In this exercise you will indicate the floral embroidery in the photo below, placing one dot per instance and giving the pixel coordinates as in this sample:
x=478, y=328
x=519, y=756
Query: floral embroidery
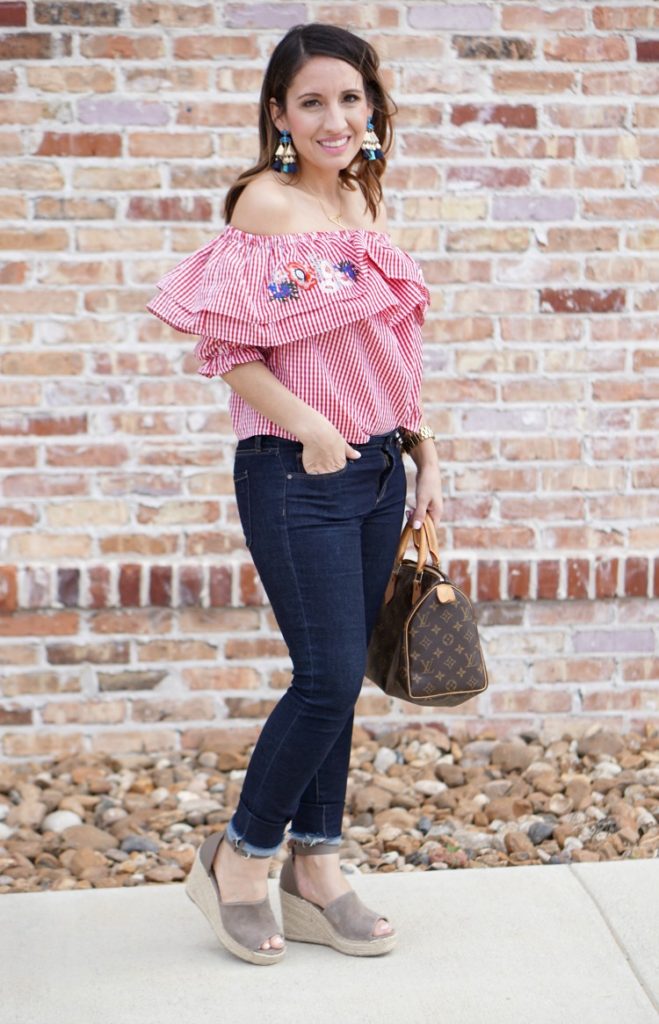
x=296, y=276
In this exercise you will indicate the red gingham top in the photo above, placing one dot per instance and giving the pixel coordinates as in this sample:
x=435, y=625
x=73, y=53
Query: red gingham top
x=334, y=315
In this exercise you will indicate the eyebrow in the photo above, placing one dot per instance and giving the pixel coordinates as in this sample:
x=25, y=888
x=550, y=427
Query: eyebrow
x=302, y=95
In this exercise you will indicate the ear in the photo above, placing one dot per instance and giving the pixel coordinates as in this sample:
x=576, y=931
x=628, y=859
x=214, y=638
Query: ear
x=278, y=119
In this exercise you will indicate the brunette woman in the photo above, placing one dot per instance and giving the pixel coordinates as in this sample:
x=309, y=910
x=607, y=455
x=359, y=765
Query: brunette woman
x=310, y=313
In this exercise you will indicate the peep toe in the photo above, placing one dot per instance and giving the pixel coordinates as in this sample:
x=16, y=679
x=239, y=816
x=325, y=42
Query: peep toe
x=241, y=926
x=345, y=923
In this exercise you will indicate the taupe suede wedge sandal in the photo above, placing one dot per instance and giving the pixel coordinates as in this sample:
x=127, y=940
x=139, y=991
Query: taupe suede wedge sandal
x=241, y=926
x=345, y=923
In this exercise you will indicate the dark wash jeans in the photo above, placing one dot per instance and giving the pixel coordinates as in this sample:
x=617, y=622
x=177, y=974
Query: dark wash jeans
x=323, y=545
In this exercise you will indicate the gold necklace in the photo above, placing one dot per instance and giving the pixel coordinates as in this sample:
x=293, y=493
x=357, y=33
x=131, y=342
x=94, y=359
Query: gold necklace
x=336, y=219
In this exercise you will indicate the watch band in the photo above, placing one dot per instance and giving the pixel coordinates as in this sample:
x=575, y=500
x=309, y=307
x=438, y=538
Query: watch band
x=411, y=438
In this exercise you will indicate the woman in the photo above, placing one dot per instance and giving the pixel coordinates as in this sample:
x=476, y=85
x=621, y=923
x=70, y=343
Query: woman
x=311, y=314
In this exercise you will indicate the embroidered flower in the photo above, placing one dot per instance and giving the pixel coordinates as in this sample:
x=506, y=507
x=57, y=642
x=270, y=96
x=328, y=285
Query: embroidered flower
x=297, y=275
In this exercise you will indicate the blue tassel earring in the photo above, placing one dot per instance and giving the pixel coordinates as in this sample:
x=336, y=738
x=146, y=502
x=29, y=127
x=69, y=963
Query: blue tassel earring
x=371, y=146
x=285, y=155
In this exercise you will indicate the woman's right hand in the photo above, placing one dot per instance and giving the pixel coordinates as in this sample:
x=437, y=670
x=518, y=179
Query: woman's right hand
x=326, y=452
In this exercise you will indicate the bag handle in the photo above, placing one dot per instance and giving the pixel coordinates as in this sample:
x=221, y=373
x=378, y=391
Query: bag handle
x=425, y=540
x=431, y=537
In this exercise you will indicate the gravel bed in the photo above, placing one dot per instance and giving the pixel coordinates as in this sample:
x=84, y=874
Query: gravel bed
x=417, y=800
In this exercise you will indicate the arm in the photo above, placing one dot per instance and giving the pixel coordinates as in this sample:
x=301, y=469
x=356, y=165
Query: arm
x=259, y=387
x=325, y=448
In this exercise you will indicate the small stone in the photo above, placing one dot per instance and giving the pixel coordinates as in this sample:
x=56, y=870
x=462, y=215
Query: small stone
x=430, y=787
x=78, y=836
x=518, y=842
x=512, y=756
x=372, y=798
x=29, y=813
x=384, y=759
x=539, y=831
x=208, y=759
x=141, y=844
x=601, y=741
x=560, y=804
x=57, y=821
x=164, y=873
x=451, y=774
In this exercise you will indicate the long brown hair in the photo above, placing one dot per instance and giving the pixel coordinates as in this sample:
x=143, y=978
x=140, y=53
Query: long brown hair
x=288, y=57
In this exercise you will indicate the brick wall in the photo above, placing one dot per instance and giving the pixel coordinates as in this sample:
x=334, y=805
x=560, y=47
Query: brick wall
x=524, y=180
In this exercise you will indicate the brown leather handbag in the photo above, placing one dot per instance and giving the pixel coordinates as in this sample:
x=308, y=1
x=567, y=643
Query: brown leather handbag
x=425, y=647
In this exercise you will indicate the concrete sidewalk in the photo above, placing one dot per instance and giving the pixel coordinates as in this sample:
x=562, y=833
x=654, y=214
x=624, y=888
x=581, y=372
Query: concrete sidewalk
x=570, y=943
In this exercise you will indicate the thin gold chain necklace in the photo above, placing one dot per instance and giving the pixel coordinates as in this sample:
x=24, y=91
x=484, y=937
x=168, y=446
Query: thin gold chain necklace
x=336, y=219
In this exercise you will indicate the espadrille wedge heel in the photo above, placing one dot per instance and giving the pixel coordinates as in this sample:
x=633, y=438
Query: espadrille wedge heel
x=345, y=924
x=241, y=927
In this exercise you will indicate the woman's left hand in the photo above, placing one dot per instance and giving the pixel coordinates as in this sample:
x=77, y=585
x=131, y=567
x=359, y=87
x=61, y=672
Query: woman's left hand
x=428, y=497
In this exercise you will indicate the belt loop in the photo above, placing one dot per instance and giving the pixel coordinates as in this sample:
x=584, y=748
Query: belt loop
x=258, y=442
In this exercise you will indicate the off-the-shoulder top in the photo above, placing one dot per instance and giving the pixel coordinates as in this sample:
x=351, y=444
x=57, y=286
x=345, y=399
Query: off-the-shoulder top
x=336, y=316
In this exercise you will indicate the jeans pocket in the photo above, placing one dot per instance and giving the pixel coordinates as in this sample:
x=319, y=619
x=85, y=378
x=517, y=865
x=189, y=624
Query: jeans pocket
x=302, y=471
x=241, y=487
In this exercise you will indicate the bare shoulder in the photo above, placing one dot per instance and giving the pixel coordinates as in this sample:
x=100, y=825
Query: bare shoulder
x=263, y=207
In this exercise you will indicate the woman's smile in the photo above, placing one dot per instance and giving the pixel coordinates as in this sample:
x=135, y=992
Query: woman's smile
x=337, y=145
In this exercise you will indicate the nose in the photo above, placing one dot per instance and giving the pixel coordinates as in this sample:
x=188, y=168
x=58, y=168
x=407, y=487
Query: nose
x=335, y=120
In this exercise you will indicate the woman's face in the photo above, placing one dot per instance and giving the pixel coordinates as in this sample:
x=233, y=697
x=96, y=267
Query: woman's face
x=326, y=114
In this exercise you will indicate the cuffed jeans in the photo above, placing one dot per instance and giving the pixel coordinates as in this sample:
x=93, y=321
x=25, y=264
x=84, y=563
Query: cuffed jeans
x=323, y=545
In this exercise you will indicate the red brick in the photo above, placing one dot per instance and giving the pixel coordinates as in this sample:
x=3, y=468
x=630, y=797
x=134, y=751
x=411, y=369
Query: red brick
x=20, y=683
x=68, y=587
x=190, y=584
x=219, y=739
x=458, y=571
x=548, y=579
x=160, y=585
x=129, y=585
x=488, y=587
x=99, y=586
x=15, y=716
x=220, y=586
x=172, y=710
x=636, y=577
x=251, y=591
x=522, y=116
x=79, y=144
x=8, y=588
x=243, y=707
x=39, y=624
x=519, y=574
x=647, y=50
x=49, y=745
x=606, y=575
x=13, y=14
x=78, y=14
x=577, y=577
x=142, y=621
x=225, y=677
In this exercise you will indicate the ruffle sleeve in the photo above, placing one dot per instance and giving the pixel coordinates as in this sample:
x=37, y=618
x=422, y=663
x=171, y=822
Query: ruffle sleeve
x=243, y=293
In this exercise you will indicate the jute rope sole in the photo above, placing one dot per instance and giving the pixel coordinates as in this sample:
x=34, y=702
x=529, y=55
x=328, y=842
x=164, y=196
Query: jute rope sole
x=305, y=923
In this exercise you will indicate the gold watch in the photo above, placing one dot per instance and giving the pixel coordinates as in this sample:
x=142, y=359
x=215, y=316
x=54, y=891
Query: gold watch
x=411, y=438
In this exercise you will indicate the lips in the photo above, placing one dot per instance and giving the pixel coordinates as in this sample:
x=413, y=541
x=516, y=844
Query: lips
x=337, y=143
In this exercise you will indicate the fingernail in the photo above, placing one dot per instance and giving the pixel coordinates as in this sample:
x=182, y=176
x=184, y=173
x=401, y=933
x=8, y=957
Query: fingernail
x=417, y=524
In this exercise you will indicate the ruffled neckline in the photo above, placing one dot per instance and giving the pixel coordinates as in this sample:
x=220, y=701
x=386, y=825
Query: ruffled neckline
x=340, y=233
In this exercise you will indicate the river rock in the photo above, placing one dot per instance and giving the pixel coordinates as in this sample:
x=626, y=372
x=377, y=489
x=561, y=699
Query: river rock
x=57, y=821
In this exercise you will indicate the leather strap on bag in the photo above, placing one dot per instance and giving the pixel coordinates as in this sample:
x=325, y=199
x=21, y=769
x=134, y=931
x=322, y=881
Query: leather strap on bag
x=425, y=540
